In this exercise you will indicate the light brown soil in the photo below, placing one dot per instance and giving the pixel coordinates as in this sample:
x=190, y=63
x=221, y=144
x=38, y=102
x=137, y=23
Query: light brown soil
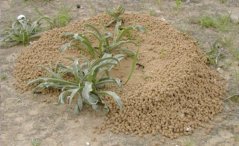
x=175, y=93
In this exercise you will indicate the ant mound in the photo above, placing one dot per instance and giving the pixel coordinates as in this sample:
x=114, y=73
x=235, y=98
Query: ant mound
x=172, y=92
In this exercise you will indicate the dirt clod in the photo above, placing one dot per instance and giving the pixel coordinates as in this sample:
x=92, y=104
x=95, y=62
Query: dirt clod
x=173, y=94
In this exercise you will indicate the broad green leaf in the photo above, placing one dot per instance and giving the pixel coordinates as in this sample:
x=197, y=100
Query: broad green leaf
x=86, y=43
x=62, y=97
x=102, y=62
x=117, y=31
x=51, y=72
x=106, y=108
x=102, y=67
x=76, y=70
x=52, y=80
x=133, y=66
x=120, y=43
x=79, y=104
x=119, y=57
x=108, y=80
x=115, y=97
x=91, y=98
x=95, y=107
x=126, y=51
x=95, y=32
x=72, y=95
x=139, y=28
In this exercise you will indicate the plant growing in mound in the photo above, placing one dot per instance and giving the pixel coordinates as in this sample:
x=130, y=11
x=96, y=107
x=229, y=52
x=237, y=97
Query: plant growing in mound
x=86, y=83
x=107, y=43
x=115, y=13
x=22, y=30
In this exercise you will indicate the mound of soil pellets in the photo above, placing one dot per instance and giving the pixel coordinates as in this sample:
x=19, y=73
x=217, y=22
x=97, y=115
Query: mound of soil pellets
x=172, y=92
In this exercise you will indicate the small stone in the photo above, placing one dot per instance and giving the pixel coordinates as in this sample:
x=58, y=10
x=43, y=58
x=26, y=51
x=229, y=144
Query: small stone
x=188, y=129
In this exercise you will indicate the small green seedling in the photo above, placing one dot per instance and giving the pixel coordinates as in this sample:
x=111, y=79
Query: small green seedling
x=215, y=54
x=158, y=2
x=207, y=22
x=3, y=77
x=235, y=52
x=223, y=1
x=235, y=98
x=36, y=142
x=116, y=13
x=152, y=13
x=229, y=45
x=236, y=137
x=87, y=83
x=221, y=47
x=22, y=30
x=178, y=3
x=62, y=18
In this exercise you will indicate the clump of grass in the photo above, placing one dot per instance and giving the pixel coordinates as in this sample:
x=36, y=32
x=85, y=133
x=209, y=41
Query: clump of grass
x=152, y=13
x=207, y=21
x=36, y=142
x=22, y=30
x=3, y=76
x=158, y=2
x=215, y=54
x=220, y=22
x=62, y=18
x=87, y=83
x=235, y=52
x=234, y=98
x=223, y=46
x=223, y=1
x=235, y=87
x=228, y=43
x=236, y=137
x=178, y=4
